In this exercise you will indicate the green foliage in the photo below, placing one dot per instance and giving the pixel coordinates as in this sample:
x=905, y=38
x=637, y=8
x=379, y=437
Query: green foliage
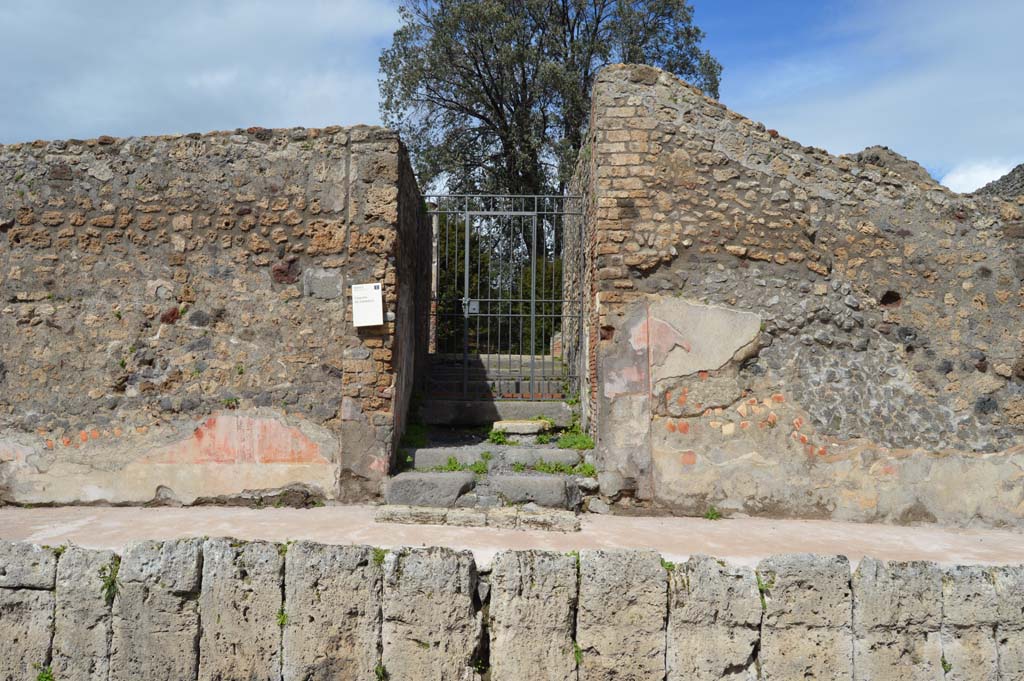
x=415, y=435
x=668, y=565
x=231, y=402
x=499, y=437
x=544, y=438
x=549, y=422
x=282, y=549
x=762, y=589
x=108, y=576
x=503, y=88
x=380, y=673
x=712, y=514
x=946, y=666
x=282, y=617
x=519, y=467
x=575, y=440
x=45, y=673
x=577, y=653
x=378, y=556
x=585, y=470
x=239, y=369
x=452, y=465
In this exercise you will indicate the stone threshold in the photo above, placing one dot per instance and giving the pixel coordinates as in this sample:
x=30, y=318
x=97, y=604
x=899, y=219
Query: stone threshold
x=527, y=517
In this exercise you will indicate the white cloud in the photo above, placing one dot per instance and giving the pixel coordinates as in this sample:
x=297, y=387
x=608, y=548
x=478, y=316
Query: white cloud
x=936, y=80
x=967, y=177
x=123, y=67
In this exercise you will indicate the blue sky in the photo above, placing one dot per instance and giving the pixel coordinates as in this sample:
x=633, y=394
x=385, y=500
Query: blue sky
x=939, y=81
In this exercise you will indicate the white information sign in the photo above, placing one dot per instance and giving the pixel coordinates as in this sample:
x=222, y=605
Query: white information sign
x=367, y=305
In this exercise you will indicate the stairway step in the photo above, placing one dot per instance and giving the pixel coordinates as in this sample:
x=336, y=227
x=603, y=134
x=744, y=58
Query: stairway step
x=521, y=426
x=502, y=457
x=460, y=412
x=428, y=489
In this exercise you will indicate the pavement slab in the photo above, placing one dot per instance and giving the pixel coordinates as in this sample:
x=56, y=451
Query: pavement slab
x=742, y=541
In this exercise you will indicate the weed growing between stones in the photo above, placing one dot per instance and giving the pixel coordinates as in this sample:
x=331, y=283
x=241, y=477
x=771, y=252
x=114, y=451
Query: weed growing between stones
x=45, y=673
x=282, y=549
x=380, y=673
x=668, y=565
x=946, y=666
x=577, y=653
x=519, y=467
x=762, y=588
x=575, y=438
x=585, y=470
x=108, y=573
x=499, y=437
x=282, y=617
x=453, y=466
x=712, y=514
x=378, y=555
x=544, y=438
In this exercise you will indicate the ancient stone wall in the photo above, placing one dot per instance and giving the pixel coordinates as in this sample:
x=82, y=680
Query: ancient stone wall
x=218, y=608
x=781, y=331
x=177, y=322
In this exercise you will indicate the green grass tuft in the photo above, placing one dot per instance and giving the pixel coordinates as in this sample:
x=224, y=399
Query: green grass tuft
x=712, y=514
x=574, y=439
x=668, y=565
x=378, y=556
x=108, y=573
x=499, y=437
x=282, y=617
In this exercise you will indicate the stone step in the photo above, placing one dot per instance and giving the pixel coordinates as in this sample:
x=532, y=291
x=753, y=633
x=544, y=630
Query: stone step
x=521, y=426
x=497, y=457
x=462, y=489
x=457, y=412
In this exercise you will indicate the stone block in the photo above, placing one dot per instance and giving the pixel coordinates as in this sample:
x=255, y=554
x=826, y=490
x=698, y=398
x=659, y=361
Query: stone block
x=466, y=517
x=533, y=615
x=318, y=282
x=506, y=518
x=333, y=601
x=970, y=613
x=1009, y=582
x=156, y=612
x=529, y=456
x=82, y=622
x=239, y=604
x=897, y=615
x=432, y=626
x=806, y=630
x=411, y=515
x=26, y=620
x=549, y=520
x=26, y=566
x=520, y=426
x=714, y=621
x=620, y=624
x=426, y=458
x=428, y=489
x=543, y=490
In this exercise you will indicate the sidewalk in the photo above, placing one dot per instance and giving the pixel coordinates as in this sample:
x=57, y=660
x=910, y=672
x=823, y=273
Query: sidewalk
x=741, y=541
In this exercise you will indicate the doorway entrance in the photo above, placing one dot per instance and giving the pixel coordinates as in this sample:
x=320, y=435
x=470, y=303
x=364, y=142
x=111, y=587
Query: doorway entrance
x=506, y=305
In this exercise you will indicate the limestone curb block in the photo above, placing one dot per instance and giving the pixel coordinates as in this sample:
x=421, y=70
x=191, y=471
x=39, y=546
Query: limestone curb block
x=333, y=601
x=26, y=566
x=806, y=631
x=508, y=518
x=620, y=624
x=239, y=605
x=156, y=612
x=83, y=619
x=714, y=621
x=1009, y=582
x=897, y=616
x=27, y=577
x=544, y=490
x=970, y=608
x=533, y=611
x=431, y=623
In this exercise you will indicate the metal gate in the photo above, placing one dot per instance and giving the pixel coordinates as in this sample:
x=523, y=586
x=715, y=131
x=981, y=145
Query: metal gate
x=506, y=313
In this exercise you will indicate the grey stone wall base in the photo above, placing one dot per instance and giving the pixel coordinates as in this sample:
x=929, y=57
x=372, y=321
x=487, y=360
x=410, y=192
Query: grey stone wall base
x=222, y=609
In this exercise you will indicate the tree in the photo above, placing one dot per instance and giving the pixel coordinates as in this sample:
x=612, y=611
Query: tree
x=494, y=96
